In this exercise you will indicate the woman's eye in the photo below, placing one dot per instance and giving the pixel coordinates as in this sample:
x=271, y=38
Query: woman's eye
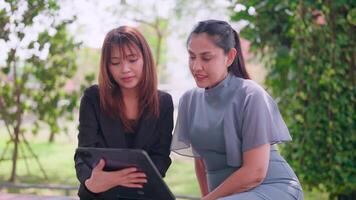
x=115, y=63
x=206, y=59
x=191, y=57
x=133, y=60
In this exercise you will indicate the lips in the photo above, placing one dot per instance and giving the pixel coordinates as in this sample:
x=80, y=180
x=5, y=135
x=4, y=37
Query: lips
x=128, y=78
x=200, y=77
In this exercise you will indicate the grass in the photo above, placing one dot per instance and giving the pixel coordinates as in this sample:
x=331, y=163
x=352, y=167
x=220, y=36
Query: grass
x=57, y=159
x=181, y=178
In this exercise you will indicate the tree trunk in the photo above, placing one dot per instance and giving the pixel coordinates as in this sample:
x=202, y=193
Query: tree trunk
x=51, y=137
x=18, y=121
x=15, y=153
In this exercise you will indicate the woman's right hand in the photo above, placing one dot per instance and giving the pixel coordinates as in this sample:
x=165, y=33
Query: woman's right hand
x=101, y=181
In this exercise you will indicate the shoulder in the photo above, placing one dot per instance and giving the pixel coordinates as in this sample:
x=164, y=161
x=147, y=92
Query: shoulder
x=254, y=95
x=90, y=101
x=92, y=91
x=248, y=88
x=164, y=97
x=191, y=94
x=91, y=94
x=165, y=100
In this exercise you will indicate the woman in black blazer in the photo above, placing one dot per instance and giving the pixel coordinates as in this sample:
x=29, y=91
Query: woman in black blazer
x=124, y=111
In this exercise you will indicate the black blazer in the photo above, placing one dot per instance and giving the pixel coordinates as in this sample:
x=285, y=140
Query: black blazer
x=96, y=129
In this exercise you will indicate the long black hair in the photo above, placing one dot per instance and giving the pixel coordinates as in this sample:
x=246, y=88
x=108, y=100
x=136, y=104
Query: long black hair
x=225, y=37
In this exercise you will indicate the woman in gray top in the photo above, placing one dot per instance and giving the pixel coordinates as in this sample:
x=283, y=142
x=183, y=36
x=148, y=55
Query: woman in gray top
x=230, y=124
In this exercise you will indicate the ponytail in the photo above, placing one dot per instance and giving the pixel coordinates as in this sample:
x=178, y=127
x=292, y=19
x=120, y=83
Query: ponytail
x=238, y=66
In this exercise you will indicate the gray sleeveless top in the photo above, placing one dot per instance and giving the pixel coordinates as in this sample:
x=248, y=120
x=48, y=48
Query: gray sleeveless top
x=243, y=111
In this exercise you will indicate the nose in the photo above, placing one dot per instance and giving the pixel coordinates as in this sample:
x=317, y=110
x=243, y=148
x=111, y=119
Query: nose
x=196, y=65
x=125, y=67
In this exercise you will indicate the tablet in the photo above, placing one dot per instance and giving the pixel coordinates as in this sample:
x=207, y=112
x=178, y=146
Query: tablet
x=116, y=159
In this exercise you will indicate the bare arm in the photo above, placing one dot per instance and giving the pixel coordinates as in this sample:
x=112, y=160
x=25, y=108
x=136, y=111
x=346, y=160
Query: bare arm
x=250, y=175
x=201, y=176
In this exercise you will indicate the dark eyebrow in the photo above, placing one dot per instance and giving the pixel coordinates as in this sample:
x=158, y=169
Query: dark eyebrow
x=202, y=54
x=132, y=55
x=127, y=56
x=206, y=53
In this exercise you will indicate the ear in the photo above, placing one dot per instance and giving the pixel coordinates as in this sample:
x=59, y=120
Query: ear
x=231, y=56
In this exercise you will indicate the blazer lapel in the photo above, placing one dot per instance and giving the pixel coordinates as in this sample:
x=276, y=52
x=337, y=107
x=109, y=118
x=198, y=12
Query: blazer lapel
x=113, y=132
x=145, y=131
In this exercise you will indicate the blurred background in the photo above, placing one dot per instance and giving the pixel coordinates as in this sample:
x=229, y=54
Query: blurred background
x=302, y=52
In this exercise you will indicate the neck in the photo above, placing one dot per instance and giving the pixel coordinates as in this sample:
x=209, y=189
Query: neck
x=219, y=81
x=130, y=98
x=129, y=94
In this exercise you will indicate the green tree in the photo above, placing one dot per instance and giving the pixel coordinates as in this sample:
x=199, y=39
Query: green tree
x=159, y=19
x=39, y=62
x=309, y=49
x=153, y=26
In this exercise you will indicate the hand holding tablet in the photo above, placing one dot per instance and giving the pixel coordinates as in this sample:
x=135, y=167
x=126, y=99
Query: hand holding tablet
x=130, y=172
x=105, y=177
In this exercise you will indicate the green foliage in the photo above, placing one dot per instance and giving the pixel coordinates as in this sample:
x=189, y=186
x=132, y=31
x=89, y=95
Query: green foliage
x=39, y=82
x=156, y=36
x=35, y=75
x=154, y=27
x=309, y=49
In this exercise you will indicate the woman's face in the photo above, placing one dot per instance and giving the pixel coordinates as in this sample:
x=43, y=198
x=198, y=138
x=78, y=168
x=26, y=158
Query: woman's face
x=207, y=62
x=126, y=69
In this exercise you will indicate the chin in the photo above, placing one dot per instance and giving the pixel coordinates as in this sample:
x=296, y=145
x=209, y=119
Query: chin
x=201, y=85
x=129, y=86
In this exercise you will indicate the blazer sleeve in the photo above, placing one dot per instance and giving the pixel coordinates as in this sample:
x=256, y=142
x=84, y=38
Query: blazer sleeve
x=160, y=150
x=87, y=137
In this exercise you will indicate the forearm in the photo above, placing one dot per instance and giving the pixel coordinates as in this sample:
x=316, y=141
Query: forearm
x=242, y=180
x=83, y=172
x=250, y=175
x=201, y=176
x=162, y=163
